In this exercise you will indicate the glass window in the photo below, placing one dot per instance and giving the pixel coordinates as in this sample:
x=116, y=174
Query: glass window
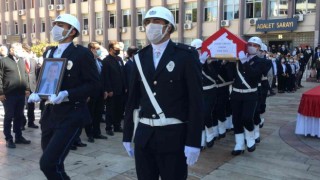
x=41, y=3
x=24, y=28
x=99, y=20
x=23, y=4
x=126, y=15
x=73, y=1
x=253, y=8
x=15, y=7
x=85, y=22
x=305, y=6
x=32, y=3
x=191, y=12
x=7, y=5
x=8, y=28
x=210, y=10
x=33, y=25
x=278, y=8
x=231, y=9
x=16, y=28
x=0, y=29
x=112, y=19
x=51, y=1
x=175, y=11
x=140, y=15
x=43, y=26
x=61, y=2
x=126, y=44
x=140, y=43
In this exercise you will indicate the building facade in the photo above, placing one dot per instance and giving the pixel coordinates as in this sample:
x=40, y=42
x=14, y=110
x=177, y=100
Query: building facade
x=30, y=21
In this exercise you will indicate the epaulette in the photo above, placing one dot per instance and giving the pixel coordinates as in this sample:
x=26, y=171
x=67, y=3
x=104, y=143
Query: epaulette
x=143, y=49
x=184, y=47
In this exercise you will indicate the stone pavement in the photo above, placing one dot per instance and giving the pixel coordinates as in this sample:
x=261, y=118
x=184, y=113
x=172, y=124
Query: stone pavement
x=280, y=155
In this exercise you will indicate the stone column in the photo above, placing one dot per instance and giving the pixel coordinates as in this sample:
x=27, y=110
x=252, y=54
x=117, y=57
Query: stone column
x=92, y=20
x=199, y=19
x=119, y=24
x=37, y=18
x=242, y=5
x=181, y=21
x=79, y=15
x=105, y=22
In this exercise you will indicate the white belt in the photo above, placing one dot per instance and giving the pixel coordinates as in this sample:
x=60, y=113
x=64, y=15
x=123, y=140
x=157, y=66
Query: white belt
x=160, y=122
x=209, y=87
x=244, y=90
x=264, y=78
x=259, y=84
x=224, y=84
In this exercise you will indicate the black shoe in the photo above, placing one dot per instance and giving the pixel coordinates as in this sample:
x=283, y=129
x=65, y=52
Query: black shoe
x=73, y=147
x=80, y=144
x=90, y=139
x=23, y=128
x=210, y=144
x=257, y=140
x=202, y=148
x=10, y=144
x=261, y=125
x=237, y=152
x=110, y=132
x=118, y=129
x=22, y=140
x=222, y=135
x=100, y=137
x=251, y=149
x=33, y=126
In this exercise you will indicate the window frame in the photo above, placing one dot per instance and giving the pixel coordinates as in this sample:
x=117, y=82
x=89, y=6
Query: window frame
x=210, y=6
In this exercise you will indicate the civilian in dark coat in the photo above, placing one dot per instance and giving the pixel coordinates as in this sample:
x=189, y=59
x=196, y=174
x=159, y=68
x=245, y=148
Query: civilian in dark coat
x=115, y=87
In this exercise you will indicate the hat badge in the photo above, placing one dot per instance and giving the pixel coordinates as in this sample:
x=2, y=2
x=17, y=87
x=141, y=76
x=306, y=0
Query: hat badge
x=152, y=12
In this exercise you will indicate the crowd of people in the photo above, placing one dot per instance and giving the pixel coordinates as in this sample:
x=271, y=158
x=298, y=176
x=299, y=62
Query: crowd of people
x=185, y=99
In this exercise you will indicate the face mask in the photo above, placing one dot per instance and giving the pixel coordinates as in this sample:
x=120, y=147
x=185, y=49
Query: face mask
x=291, y=60
x=282, y=60
x=267, y=55
x=318, y=50
x=252, y=50
x=57, y=33
x=117, y=52
x=154, y=32
x=98, y=52
x=273, y=59
x=18, y=53
x=301, y=56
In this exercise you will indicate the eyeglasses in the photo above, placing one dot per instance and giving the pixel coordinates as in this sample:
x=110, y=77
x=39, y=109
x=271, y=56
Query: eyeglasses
x=254, y=45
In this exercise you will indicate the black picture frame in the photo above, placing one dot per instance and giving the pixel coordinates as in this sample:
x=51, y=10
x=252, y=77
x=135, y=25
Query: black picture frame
x=50, y=77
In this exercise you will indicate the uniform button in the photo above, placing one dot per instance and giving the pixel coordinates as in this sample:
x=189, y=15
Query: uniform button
x=68, y=75
x=154, y=93
x=154, y=116
x=171, y=81
x=155, y=82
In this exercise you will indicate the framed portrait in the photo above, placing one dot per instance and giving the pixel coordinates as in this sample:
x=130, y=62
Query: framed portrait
x=50, y=76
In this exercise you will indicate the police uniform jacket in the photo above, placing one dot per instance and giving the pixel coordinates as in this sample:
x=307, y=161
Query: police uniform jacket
x=178, y=92
x=209, y=70
x=80, y=81
x=221, y=69
x=252, y=72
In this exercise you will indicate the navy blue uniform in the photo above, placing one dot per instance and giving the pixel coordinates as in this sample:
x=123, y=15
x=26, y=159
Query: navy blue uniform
x=159, y=150
x=61, y=123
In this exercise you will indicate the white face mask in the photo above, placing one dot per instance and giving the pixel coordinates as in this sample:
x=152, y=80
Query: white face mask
x=318, y=50
x=291, y=60
x=18, y=53
x=252, y=50
x=57, y=33
x=154, y=32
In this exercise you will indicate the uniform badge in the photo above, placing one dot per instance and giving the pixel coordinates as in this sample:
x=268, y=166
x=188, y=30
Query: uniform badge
x=170, y=66
x=252, y=62
x=69, y=65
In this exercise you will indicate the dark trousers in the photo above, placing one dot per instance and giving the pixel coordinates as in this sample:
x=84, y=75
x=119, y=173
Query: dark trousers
x=243, y=114
x=282, y=81
x=115, y=106
x=95, y=106
x=30, y=115
x=220, y=109
x=209, y=99
x=13, y=109
x=150, y=164
x=318, y=74
x=56, y=144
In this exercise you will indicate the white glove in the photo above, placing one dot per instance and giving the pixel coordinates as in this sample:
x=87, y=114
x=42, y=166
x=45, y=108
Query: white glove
x=243, y=57
x=129, y=149
x=33, y=98
x=192, y=154
x=203, y=57
x=58, y=99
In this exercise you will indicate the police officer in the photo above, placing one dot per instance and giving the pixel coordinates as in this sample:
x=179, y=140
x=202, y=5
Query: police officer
x=66, y=113
x=246, y=74
x=263, y=87
x=165, y=143
x=210, y=129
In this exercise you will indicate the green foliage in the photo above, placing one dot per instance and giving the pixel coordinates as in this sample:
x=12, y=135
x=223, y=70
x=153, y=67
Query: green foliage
x=38, y=47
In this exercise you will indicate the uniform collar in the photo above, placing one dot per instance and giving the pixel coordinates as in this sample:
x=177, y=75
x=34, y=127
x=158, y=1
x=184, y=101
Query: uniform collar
x=63, y=46
x=160, y=47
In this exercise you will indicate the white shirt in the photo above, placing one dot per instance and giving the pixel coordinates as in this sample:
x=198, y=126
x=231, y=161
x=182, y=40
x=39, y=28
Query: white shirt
x=158, y=50
x=59, y=51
